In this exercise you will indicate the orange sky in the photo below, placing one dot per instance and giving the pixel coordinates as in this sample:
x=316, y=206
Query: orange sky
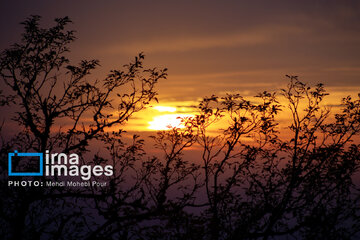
x=210, y=47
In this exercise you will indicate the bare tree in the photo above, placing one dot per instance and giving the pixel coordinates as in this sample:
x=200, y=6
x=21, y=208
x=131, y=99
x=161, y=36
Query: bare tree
x=276, y=186
x=54, y=99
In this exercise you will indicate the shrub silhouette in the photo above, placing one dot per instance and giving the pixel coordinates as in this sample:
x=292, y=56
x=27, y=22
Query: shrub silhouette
x=249, y=181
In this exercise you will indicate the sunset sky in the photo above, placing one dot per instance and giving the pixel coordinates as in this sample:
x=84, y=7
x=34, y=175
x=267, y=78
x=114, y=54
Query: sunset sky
x=210, y=47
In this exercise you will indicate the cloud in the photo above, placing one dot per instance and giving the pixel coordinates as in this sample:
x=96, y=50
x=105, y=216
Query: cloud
x=181, y=43
x=229, y=74
x=354, y=70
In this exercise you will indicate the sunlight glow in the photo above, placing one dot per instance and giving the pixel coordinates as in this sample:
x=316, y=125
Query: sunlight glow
x=165, y=122
x=165, y=109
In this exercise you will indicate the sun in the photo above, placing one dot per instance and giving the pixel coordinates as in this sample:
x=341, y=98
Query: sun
x=167, y=119
x=165, y=122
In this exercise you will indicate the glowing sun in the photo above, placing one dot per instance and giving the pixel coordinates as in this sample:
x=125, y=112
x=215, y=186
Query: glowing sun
x=166, y=121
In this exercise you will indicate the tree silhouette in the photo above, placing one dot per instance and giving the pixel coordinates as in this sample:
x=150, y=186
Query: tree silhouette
x=251, y=179
x=302, y=186
x=48, y=90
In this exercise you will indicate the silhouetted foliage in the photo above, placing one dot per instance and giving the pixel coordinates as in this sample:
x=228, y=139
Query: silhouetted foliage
x=252, y=179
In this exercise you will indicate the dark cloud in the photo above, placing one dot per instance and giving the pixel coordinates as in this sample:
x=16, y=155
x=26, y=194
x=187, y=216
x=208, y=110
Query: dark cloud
x=210, y=46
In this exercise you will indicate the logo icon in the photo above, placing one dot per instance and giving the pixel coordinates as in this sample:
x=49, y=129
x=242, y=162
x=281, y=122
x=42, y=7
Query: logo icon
x=28, y=168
